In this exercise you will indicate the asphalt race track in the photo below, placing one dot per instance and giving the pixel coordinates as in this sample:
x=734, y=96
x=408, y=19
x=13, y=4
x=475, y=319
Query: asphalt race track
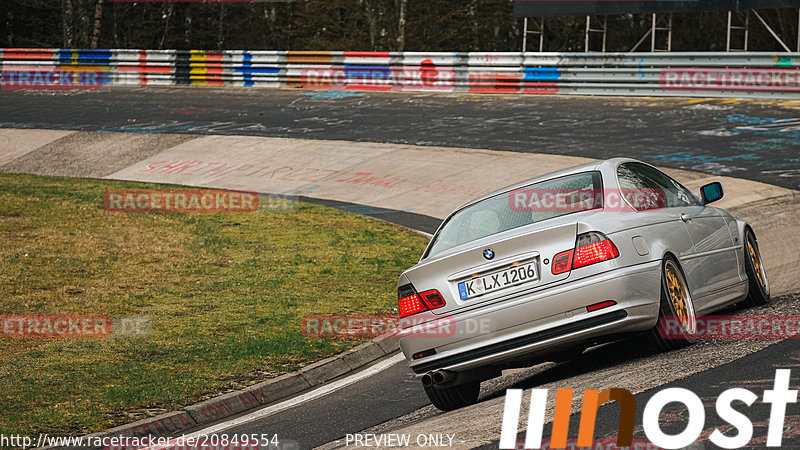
x=741, y=138
x=745, y=139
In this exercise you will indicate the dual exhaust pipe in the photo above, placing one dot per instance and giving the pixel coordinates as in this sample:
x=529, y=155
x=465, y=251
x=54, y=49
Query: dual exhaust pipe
x=438, y=377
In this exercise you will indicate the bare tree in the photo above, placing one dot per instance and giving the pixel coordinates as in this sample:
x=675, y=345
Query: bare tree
x=166, y=14
x=187, y=28
x=472, y=13
x=221, y=28
x=10, y=27
x=98, y=14
x=67, y=16
x=401, y=26
x=440, y=25
x=372, y=22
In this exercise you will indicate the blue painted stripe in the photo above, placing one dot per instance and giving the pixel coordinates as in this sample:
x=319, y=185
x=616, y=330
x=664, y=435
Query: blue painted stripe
x=248, y=69
x=97, y=56
x=541, y=74
x=354, y=71
x=245, y=69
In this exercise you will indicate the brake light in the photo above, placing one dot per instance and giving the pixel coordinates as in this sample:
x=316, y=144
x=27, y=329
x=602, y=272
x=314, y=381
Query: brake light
x=590, y=248
x=596, y=248
x=562, y=262
x=410, y=304
x=433, y=299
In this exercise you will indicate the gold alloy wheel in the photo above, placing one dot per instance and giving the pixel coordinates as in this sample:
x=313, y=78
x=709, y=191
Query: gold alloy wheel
x=755, y=258
x=679, y=296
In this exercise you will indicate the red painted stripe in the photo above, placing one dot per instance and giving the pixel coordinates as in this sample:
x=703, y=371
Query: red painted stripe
x=368, y=54
x=143, y=64
x=28, y=53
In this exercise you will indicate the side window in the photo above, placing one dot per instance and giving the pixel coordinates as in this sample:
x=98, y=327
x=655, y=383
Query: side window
x=685, y=195
x=641, y=177
x=634, y=183
x=629, y=178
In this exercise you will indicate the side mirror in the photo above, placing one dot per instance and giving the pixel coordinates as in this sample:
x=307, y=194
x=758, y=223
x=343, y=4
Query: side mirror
x=711, y=192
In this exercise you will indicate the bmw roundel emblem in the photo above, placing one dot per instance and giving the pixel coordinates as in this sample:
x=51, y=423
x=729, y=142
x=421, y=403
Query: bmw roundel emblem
x=488, y=253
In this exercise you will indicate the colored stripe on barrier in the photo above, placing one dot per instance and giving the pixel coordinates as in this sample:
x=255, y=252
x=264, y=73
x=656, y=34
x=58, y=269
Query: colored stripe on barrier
x=695, y=74
x=541, y=74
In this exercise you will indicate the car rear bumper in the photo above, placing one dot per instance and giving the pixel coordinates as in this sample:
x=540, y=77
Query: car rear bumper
x=515, y=330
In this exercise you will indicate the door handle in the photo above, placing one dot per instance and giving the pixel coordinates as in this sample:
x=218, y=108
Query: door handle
x=685, y=217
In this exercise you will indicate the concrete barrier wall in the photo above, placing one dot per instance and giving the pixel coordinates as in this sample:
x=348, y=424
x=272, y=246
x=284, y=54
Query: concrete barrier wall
x=753, y=74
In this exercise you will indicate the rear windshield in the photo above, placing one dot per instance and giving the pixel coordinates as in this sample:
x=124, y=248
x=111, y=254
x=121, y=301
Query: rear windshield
x=533, y=203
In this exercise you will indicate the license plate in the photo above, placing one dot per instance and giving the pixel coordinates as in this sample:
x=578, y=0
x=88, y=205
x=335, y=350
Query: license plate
x=495, y=281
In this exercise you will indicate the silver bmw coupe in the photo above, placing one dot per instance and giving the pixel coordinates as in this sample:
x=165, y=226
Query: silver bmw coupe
x=541, y=270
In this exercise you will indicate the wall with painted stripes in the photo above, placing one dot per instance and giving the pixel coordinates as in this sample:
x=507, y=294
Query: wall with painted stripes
x=681, y=74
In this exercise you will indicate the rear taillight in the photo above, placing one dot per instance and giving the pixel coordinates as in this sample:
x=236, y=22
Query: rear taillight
x=590, y=248
x=433, y=299
x=562, y=262
x=593, y=247
x=409, y=302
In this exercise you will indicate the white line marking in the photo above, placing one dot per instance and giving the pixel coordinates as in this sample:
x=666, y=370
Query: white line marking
x=316, y=393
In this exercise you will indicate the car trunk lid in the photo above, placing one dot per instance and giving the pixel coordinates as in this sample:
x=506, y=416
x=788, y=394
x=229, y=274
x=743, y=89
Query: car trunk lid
x=496, y=267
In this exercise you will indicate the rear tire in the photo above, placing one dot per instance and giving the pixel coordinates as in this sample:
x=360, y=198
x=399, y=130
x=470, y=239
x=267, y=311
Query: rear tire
x=758, y=285
x=454, y=397
x=676, y=319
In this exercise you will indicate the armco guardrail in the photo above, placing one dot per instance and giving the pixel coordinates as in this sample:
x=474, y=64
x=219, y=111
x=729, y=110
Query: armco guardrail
x=682, y=74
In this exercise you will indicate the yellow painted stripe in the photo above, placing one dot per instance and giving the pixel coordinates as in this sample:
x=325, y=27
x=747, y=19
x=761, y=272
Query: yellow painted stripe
x=82, y=68
x=197, y=56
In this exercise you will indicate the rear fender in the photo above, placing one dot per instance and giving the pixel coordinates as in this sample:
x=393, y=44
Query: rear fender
x=741, y=227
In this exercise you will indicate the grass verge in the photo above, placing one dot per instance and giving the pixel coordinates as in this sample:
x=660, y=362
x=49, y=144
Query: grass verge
x=224, y=293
